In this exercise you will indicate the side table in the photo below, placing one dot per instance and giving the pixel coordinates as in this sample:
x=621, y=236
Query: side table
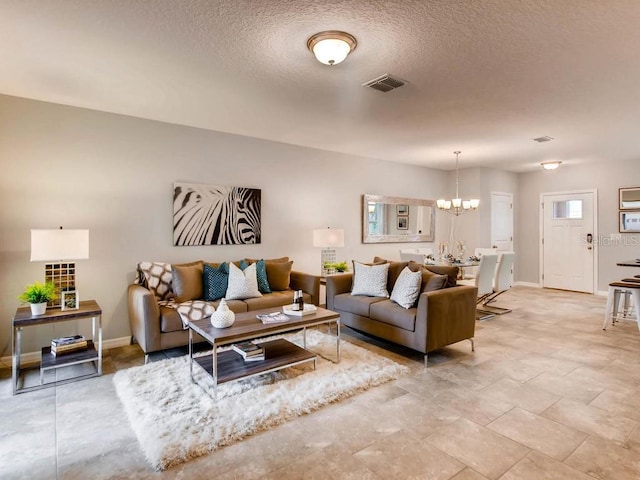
x=23, y=318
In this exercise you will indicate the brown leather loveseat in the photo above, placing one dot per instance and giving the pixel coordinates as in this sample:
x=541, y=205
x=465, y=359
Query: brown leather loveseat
x=443, y=314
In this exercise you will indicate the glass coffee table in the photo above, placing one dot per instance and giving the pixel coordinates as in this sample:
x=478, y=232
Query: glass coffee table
x=228, y=365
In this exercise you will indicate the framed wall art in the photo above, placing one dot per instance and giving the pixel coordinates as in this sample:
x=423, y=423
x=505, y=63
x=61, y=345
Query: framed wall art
x=630, y=222
x=215, y=215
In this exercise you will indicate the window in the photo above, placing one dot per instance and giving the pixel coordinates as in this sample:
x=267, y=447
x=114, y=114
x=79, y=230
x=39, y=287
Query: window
x=571, y=209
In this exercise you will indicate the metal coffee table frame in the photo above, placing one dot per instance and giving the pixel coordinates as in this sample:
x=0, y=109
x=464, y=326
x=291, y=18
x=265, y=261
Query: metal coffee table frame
x=248, y=327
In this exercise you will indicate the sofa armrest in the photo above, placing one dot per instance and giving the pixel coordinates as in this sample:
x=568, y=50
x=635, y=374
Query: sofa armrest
x=447, y=316
x=337, y=284
x=307, y=283
x=144, y=317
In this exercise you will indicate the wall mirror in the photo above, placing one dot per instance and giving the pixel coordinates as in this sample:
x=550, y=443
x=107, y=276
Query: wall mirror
x=629, y=198
x=397, y=219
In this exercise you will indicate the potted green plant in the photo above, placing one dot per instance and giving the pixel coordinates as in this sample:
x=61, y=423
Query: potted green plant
x=38, y=295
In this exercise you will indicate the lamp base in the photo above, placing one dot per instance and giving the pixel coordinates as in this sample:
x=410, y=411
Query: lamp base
x=63, y=277
x=328, y=255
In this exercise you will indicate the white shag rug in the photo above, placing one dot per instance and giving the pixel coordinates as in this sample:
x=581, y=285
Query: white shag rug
x=176, y=420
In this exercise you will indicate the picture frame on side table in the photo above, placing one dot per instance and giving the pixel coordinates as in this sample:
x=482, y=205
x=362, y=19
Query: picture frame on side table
x=69, y=300
x=630, y=222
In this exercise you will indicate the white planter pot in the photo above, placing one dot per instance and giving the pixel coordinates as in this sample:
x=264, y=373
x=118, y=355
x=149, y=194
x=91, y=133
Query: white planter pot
x=38, y=308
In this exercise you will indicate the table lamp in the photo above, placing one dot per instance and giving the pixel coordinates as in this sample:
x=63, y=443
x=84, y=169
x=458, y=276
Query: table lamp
x=328, y=240
x=56, y=248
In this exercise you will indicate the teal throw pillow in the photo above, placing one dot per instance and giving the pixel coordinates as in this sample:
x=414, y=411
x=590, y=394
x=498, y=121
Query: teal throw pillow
x=261, y=274
x=215, y=281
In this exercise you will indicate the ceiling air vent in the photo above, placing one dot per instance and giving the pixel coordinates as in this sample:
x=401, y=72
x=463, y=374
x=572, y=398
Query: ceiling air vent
x=384, y=83
x=546, y=138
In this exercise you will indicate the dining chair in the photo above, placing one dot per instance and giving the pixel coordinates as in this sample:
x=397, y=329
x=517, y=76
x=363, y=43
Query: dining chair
x=471, y=272
x=425, y=250
x=503, y=281
x=408, y=257
x=483, y=281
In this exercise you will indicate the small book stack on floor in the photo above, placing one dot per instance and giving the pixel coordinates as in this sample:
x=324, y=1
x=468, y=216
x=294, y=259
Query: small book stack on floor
x=249, y=351
x=65, y=345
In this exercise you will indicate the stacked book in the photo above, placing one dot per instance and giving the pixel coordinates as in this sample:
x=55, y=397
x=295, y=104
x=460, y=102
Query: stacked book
x=72, y=344
x=249, y=351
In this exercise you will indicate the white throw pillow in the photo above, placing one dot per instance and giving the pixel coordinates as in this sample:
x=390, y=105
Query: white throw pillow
x=370, y=280
x=242, y=283
x=407, y=288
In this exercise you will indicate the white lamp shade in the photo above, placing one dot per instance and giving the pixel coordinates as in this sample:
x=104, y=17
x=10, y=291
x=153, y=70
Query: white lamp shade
x=59, y=244
x=327, y=237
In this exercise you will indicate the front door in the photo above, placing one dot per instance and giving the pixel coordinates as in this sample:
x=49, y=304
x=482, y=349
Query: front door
x=568, y=230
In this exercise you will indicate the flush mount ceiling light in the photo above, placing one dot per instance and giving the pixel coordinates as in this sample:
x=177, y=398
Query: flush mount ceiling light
x=551, y=165
x=331, y=47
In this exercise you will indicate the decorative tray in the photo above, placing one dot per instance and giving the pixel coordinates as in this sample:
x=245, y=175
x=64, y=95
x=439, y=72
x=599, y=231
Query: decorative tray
x=308, y=309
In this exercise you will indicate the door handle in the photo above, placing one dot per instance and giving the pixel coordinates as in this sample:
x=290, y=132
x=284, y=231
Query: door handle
x=589, y=241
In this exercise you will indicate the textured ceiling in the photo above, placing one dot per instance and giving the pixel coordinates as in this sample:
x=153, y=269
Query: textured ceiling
x=484, y=77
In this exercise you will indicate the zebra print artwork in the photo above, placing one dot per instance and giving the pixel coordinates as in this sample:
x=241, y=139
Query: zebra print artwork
x=215, y=215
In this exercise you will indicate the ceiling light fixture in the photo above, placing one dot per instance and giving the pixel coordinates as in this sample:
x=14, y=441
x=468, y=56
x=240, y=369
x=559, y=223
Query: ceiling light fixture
x=331, y=47
x=457, y=206
x=551, y=165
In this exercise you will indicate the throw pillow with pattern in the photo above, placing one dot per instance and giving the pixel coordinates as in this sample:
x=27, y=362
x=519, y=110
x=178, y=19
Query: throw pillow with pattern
x=156, y=276
x=215, y=280
x=407, y=288
x=370, y=280
x=242, y=283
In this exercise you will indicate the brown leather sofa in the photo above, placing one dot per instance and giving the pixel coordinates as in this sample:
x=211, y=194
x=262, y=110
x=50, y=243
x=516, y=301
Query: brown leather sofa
x=156, y=326
x=439, y=318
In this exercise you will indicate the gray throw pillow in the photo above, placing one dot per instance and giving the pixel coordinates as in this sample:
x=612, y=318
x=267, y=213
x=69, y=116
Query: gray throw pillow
x=407, y=288
x=242, y=283
x=370, y=280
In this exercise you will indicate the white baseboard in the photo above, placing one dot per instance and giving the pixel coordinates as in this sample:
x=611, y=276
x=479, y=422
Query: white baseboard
x=527, y=284
x=34, y=357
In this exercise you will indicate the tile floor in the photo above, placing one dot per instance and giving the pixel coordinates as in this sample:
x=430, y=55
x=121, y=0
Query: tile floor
x=546, y=395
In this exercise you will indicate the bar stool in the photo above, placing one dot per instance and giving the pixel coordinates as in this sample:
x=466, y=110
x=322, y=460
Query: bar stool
x=613, y=299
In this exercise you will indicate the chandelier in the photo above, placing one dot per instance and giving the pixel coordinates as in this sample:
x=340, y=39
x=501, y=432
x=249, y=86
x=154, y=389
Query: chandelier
x=457, y=206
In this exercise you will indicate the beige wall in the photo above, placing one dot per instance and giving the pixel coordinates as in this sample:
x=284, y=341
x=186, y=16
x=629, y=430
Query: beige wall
x=113, y=175
x=606, y=178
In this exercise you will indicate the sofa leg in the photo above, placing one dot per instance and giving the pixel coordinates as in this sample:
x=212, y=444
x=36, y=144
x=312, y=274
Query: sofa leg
x=425, y=361
x=473, y=345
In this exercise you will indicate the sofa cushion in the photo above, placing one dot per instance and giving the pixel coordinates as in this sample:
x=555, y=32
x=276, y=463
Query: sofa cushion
x=156, y=276
x=393, y=314
x=278, y=275
x=242, y=283
x=356, y=304
x=370, y=280
x=187, y=281
x=268, y=300
x=449, y=271
x=407, y=288
x=432, y=281
x=215, y=281
x=261, y=274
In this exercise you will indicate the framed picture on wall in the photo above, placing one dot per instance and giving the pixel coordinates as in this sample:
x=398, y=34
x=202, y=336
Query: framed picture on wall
x=629, y=198
x=403, y=223
x=630, y=222
x=402, y=209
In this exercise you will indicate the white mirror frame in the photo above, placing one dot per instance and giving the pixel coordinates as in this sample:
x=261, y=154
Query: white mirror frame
x=428, y=236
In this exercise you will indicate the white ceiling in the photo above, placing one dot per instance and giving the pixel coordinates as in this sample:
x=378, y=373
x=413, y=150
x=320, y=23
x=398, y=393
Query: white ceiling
x=484, y=77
